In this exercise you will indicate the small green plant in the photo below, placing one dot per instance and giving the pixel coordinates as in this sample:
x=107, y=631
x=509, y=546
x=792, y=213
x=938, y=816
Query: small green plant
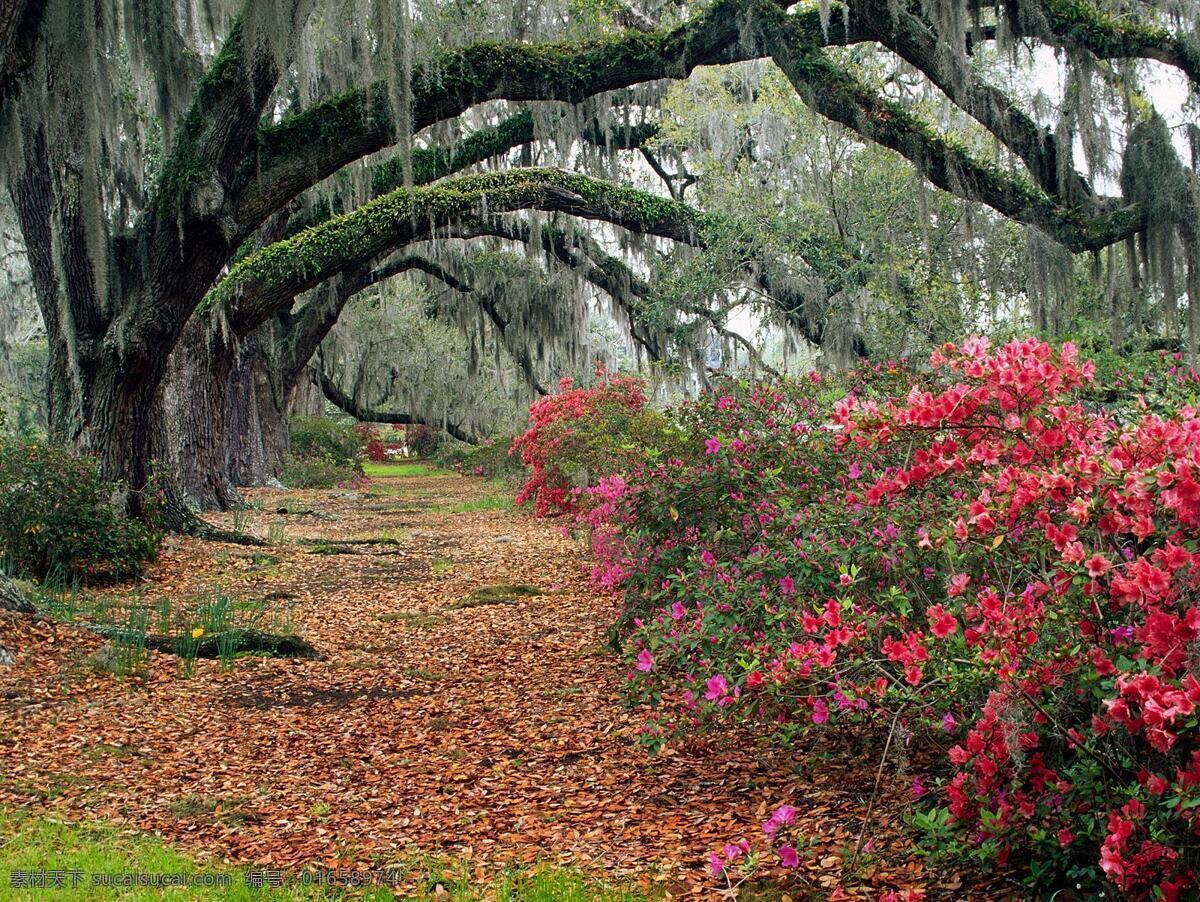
x=187, y=644
x=226, y=649
x=164, y=614
x=440, y=568
x=276, y=534
x=215, y=612
x=129, y=644
x=241, y=520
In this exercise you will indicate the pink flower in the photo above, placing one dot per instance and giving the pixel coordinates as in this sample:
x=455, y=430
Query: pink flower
x=1097, y=565
x=678, y=611
x=820, y=712
x=718, y=688
x=708, y=558
x=958, y=584
x=918, y=789
x=788, y=857
x=785, y=814
x=787, y=585
x=645, y=663
x=948, y=722
x=712, y=445
x=715, y=864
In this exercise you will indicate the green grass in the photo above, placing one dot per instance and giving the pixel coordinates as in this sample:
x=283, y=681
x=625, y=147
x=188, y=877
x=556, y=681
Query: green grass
x=413, y=618
x=43, y=844
x=376, y=469
x=485, y=503
x=502, y=593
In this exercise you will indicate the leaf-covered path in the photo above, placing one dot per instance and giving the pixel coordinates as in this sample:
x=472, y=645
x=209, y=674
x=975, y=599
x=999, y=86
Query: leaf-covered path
x=483, y=729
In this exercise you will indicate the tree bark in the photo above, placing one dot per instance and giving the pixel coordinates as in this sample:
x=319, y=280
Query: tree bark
x=12, y=598
x=195, y=410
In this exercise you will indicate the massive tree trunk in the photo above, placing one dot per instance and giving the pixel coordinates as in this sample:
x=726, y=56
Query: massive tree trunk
x=115, y=294
x=195, y=406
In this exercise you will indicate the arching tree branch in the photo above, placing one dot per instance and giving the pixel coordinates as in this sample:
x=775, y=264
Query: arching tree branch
x=365, y=414
x=268, y=280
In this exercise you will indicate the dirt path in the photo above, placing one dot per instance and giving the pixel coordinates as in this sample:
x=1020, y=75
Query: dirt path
x=488, y=734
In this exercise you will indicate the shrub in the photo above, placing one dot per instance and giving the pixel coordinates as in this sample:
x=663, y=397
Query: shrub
x=490, y=459
x=993, y=556
x=57, y=517
x=582, y=434
x=337, y=441
x=319, y=473
x=423, y=441
x=372, y=439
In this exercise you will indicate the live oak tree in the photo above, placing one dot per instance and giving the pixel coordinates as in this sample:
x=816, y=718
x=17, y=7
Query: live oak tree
x=202, y=172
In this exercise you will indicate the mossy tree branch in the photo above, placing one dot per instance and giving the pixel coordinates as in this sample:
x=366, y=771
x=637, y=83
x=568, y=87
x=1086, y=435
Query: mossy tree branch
x=306, y=330
x=837, y=94
x=267, y=281
x=1078, y=24
x=300, y=151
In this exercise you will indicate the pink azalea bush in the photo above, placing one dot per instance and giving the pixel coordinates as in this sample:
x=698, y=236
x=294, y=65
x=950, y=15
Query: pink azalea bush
x=983, y=556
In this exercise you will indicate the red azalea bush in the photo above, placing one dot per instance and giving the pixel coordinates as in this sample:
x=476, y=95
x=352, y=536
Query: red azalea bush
x=982, y=553
x=580, y=434
x=423, y=441
x=372, y=439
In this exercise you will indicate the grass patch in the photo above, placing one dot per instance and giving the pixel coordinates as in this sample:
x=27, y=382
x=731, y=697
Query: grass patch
x=485, y=503
x=391, y=536
x=438, y=568
x=384, y=469
x=501, y=593
x=32, y=843
x=41, y=844
x=414, y=618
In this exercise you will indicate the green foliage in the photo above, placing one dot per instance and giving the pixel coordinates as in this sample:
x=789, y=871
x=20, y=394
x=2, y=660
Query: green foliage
x=324, y=453
x=335, y=440
x=490, y=458
x=57, y=517
x=317, y=473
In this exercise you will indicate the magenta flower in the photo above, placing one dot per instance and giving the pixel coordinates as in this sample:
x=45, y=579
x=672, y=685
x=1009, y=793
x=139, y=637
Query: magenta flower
x=785, y=814
x=948, y=722
x=820, y=711
x=918, y=789
x=678, y=611
x=788, y=857
x=645, y=663
x=718, y=688
x=715, y=864
x=712, y=445
x=708, y=558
